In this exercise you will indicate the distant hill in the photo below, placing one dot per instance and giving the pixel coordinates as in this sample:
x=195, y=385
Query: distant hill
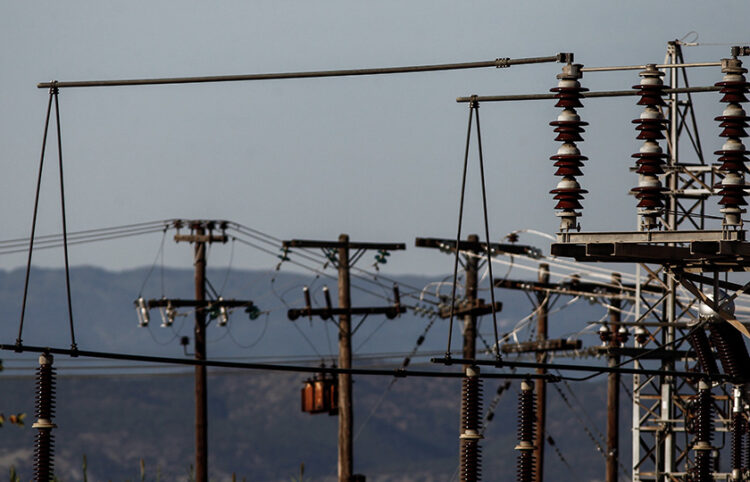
x=256, y=429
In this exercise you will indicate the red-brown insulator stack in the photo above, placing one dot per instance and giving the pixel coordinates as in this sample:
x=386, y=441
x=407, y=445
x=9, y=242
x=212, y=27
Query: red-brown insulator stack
x=641, y=335
x=733, y=154
x=605, y=335
x=44, y=399
x=568, y=159
x=699, y=342
x=731, y=349
x=738, y=431
x=701, y=471
x=526, y=432
x=650, y=159
x=471, y=425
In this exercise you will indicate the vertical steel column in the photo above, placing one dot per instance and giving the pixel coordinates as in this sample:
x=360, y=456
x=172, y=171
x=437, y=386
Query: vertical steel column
x=668, y=383
x=345, y=446
x=541, y=387
x=201, y=402
x=613, y=389
x=636, y=404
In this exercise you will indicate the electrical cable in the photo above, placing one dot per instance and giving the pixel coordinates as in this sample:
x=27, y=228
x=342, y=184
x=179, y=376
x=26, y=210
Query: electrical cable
x=639, y=356
x=382, y=322
x=160, y=252
x=33, y=221
x=458, y=235
x=307, y=340
x=254, y=342
x=581, y=421
x=486, y=228
x=260, y=366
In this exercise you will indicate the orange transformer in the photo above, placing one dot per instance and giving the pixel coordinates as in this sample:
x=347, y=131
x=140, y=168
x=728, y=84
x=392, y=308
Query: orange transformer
x=320, y=395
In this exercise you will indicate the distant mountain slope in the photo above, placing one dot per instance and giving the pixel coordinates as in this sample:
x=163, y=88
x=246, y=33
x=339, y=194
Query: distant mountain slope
x=256, y=427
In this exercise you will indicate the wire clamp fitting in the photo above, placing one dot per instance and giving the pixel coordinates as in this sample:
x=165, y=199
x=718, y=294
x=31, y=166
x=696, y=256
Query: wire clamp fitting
x=502, y=63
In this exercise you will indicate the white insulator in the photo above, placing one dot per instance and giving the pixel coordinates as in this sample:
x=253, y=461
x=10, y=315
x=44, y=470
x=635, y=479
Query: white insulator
x=733, y=144
x=141, y=310
x=733, y=78
x=732, y=179
x=223, y=313
x=568, y=182
x=569, y=83
x=647, y=180
x=649, y=80
x=568, y=149
x=651, y=147
x=706, y=312
x=734, y=110
x=568, y=115
x=652, y=113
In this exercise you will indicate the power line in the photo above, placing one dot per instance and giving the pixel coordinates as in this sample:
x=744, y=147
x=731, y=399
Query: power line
x=400, y=373
x=497, y=63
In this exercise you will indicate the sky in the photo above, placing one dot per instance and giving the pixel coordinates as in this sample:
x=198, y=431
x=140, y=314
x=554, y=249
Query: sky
x=378, y=158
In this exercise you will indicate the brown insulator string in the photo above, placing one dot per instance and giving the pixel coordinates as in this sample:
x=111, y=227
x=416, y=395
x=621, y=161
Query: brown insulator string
x=702, y=426
x=739, y=427
x=526, y=432
x=699, y=342
x=471, y=426
x=651, y=158
x=568, y=158
x=731, y=350
x=733, y=154
x=44, y=410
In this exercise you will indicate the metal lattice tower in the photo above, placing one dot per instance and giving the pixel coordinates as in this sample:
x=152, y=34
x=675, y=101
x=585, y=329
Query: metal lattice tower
x=662, y=450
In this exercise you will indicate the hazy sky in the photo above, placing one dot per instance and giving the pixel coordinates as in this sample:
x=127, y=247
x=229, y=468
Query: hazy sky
x=376, y=157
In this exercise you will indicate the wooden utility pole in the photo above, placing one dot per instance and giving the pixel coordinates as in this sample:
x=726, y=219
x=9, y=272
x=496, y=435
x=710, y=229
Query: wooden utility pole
x=199, y=238
x=346, y=411
x=613, y=388
x=201, y=397
x=541, y=387
x=470, y=308
x=341, y=251
x=471, y=270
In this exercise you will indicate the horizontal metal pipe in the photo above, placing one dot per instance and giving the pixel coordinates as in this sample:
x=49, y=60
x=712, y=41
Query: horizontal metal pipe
x=399, y=372
x=583, y=368
x=658, y=66
x=500, y=62
x=604, y=93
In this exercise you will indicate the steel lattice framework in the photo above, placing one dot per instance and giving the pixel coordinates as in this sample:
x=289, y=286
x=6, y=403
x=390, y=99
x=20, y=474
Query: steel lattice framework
x=662, y=448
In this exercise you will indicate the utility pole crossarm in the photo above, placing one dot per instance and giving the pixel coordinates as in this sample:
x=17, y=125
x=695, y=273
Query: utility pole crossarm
x=476, y=246
x=541, y=346
x=576, y=288
x=309, y=243
x=201, y=238
x=180, y=303
x=326, y=313
x=476, y=307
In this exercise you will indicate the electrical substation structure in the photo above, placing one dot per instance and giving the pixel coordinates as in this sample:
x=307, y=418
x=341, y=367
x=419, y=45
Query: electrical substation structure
x=664, y=407
x=675, y=413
